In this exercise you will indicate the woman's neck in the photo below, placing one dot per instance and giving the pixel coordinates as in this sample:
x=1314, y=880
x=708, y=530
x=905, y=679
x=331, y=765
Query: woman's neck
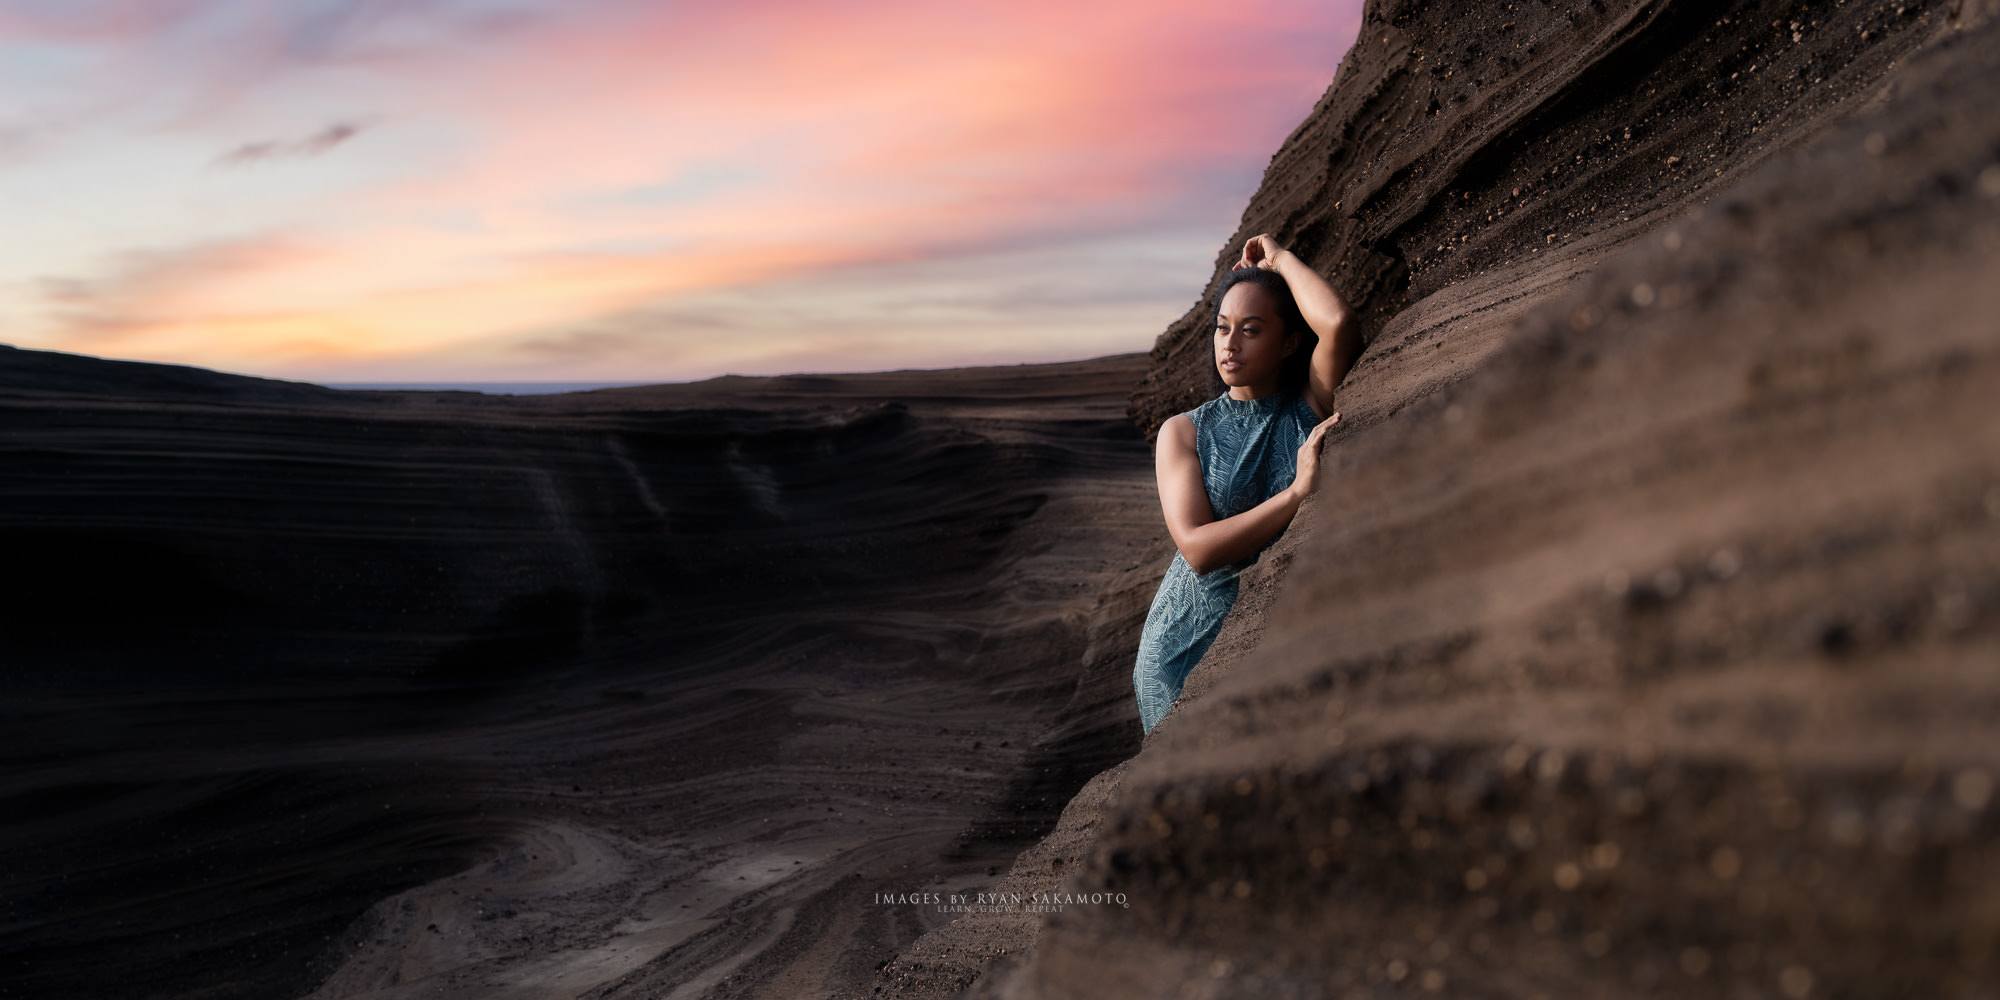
x=1251, y=393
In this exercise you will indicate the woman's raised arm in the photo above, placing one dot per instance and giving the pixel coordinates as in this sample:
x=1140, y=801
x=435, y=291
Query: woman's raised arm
x=1339, y=340
x=1324, y=311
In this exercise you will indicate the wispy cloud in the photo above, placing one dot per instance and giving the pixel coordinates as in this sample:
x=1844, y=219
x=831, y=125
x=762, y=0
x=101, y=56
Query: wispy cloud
x=146, y=290
x=312, y=145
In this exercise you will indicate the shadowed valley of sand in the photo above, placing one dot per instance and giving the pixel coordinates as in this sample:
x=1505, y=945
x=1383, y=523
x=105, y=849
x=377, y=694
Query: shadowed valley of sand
x=614, y=693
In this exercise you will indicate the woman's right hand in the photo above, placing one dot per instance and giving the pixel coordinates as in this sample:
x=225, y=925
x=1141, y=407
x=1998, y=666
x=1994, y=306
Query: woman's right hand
x=1261, y=250
x=1306, y=471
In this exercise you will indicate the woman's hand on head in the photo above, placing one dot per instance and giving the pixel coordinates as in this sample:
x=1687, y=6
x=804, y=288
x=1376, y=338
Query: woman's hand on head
x=1306, y=472
x=1261, y=250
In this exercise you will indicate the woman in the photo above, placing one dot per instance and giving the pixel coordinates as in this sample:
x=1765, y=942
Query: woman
x=1233, y=470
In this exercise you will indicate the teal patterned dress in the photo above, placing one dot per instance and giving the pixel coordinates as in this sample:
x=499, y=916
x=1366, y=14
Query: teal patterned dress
x=1249, y=452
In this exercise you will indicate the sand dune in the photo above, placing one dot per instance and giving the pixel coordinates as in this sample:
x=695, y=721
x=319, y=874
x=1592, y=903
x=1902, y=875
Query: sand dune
x=437, y=694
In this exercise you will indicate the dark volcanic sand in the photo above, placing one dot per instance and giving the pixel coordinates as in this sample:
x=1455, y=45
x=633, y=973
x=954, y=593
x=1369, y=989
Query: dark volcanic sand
x=585, y=695
x=1640, y=641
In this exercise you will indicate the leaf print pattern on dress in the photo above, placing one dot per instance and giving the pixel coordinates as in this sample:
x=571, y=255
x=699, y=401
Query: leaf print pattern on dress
x=1248, y=451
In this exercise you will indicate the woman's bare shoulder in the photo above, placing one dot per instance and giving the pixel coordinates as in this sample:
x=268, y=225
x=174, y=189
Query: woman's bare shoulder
x=1178, y=430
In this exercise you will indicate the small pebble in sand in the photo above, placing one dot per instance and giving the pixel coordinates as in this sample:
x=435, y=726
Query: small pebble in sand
x=1642, y=295
x=1972, y=789
x=1604, y=856
x=1568, y=876
x=1876, y=144
x=1549, y=766
x=1521, y=833
x=1694, y=960
x=1786, y=812
x=1630, y=802
x=1847, y=827
x=1796, y=981
x=1954, y=608
x=1725, y=863
x=1723, y=563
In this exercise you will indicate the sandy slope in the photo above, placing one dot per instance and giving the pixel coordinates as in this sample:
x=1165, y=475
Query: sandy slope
x=1641, y=640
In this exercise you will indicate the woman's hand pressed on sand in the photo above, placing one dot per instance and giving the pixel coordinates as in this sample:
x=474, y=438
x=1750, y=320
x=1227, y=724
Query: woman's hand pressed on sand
x=1306, y=474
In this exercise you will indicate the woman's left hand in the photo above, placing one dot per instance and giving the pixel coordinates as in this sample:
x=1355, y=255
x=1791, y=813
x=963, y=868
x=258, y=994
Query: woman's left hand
x=1262, y=250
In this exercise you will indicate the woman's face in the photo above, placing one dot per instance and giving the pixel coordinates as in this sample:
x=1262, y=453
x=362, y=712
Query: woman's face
x=1250, y=341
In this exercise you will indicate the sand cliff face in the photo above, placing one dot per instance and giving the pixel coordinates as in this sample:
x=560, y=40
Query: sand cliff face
x=1643, y=637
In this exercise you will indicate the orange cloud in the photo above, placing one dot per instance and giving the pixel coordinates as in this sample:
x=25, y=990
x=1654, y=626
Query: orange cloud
x=580, y=164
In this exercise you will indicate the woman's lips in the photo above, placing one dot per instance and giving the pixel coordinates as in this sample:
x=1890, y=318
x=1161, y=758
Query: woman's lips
x=1230, y=366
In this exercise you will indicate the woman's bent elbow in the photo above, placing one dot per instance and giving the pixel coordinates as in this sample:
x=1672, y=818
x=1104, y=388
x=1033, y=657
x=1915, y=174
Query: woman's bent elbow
x=1193, y=560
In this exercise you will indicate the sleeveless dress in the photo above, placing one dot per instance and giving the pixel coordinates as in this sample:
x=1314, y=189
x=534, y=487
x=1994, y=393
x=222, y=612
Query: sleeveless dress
x=1249, y=452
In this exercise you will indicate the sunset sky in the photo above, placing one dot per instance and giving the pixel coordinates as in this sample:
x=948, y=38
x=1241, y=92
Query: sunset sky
x=614, y=190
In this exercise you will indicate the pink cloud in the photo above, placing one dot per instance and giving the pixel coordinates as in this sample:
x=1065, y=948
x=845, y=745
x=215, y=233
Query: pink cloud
x=108, y=21
x=862, y=134
x=144, y=287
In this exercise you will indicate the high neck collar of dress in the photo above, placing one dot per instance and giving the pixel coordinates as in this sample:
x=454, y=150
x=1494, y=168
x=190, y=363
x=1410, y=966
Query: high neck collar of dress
x=1262, y=404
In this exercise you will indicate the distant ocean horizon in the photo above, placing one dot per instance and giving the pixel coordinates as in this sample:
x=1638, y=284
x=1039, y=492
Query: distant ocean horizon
x=495, y=388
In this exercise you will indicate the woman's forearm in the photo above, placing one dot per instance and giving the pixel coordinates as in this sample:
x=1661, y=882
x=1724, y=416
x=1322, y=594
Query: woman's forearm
x=1234, y=539
x=1339, y=341
x=1318, y=302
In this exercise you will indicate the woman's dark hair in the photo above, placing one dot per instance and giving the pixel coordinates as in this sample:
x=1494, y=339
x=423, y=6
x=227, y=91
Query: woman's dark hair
x=1293, y=375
